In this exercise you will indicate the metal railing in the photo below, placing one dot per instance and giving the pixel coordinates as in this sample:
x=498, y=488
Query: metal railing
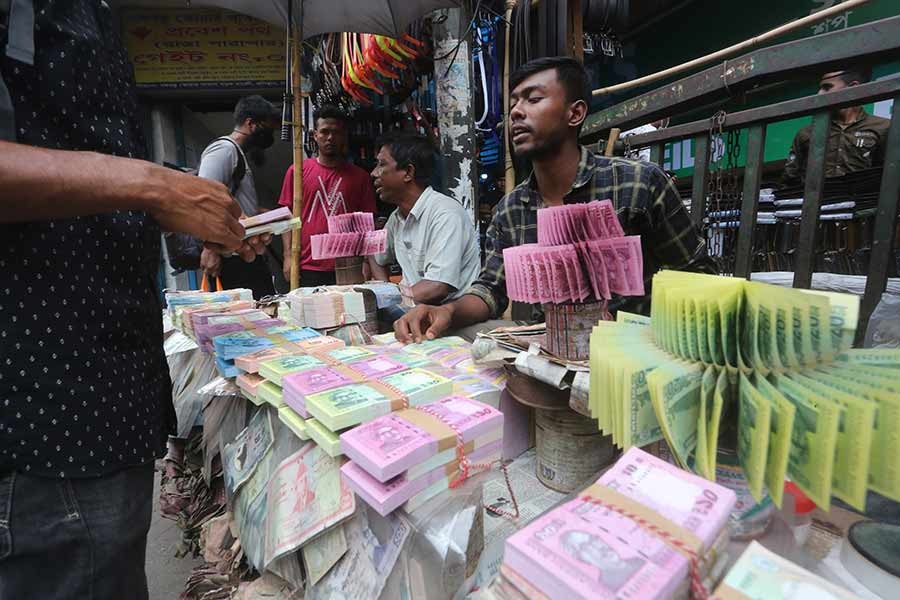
x=876, y=41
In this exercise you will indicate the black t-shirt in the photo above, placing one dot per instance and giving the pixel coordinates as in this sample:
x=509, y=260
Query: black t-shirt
x=84, y=385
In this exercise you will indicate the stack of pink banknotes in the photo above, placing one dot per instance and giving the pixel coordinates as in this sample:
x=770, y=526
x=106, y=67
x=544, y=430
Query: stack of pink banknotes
x=409, y=456
x=350, y=234
x=589, y=548
x=582, y=253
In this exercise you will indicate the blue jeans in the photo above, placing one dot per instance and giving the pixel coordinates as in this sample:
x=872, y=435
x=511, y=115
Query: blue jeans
x=75, y=538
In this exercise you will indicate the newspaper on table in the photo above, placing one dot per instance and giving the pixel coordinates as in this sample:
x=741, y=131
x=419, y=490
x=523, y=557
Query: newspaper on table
x=533, y=498
x=370, y=558
x=241, y=457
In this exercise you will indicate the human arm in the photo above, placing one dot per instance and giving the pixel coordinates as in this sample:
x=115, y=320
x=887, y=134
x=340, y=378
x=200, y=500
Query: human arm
x=378, y=272
x=60, y=184
x=429, y=322
x=431, y=292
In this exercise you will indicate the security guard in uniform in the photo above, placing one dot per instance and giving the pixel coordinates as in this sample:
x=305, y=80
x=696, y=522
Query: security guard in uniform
x=856, y=139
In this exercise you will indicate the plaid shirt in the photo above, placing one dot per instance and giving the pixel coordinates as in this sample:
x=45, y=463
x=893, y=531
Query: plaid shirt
x=646, y=202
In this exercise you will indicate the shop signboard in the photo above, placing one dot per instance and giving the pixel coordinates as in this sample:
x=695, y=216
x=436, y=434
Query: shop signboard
x=202, y=49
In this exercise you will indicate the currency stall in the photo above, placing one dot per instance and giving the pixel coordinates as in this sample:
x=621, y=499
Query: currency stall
x=273, y=489
x=390, y=471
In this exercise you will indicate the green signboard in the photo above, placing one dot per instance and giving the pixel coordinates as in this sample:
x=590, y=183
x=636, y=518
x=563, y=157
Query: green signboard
x=704, y=26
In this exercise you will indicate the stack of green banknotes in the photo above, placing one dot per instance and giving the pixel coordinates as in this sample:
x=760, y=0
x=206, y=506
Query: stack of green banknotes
x=773, y=365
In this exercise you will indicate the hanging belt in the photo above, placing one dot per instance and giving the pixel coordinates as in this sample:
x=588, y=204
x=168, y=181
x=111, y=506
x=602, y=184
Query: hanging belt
x=20, y=47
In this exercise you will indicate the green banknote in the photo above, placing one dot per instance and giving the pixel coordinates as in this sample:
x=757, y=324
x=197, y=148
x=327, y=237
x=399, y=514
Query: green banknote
x=700, y=309
x=784, y=335
x=702, y=464
x=749, y=356
x=814, y=440
x=754, y=415
x=675, y=392
x=882, y=357
x=721, y=396
x=884, y=468
x=854, y=442
x=730, y=304
x=843, y=317
x=781, y=428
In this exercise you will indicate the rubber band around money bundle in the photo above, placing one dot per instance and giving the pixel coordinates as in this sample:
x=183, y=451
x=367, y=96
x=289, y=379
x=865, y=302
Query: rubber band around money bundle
x=698, y=589
x=466, y=469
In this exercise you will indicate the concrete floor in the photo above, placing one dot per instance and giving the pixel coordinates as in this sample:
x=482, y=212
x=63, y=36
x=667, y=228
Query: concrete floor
x=166, y=574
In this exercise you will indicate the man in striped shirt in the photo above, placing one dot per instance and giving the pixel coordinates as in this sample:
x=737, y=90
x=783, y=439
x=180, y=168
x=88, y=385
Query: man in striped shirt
x=548, y=105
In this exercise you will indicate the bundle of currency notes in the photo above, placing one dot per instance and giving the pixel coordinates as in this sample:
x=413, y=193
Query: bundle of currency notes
x=418, y=386
x=232, y=345
x=249, y=363
x=629, y=535
x=582, y=252
x=249, y=384
x=760, y=573
x=798, y=406
x=299, y=385
x=400, y=456
x=181, y=305
x=330, y=308
x=276, y=369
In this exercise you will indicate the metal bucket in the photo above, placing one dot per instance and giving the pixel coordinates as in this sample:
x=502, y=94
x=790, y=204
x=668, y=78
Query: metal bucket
x=570, y=449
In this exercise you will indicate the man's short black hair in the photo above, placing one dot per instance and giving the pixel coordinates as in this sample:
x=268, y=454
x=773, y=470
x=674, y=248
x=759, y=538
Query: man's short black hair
x=255, y=108
x=858, y=73
x=329, y=111
x=411, y=149
x=569, y=72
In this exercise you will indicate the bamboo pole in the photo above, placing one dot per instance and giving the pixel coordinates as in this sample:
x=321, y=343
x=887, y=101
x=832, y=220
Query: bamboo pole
x=611, y=141
x=296, y=66
x=509, y=173
x=724, y=52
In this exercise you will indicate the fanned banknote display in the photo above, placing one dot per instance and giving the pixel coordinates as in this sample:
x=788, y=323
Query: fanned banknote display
x=766, y=371
x=350, y=234
x=582, y=253
x=622, y=538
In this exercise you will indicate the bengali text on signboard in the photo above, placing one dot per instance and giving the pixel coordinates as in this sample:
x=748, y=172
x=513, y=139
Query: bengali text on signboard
x=203, y=49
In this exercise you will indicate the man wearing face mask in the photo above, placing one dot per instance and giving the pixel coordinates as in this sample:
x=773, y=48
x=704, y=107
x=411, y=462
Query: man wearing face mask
x=228, y=160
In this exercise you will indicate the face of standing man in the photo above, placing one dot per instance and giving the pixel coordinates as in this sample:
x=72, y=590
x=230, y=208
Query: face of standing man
x=543, y=114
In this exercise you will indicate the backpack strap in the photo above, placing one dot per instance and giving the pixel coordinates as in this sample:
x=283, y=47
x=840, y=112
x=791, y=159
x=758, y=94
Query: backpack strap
x=237, y=176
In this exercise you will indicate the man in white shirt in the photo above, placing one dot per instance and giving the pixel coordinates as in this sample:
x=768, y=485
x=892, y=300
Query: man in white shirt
x=430, y=235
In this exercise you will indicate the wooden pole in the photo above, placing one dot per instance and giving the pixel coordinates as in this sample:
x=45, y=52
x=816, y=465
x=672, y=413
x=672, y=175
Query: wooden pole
x=509, y=174
x=296, y=65
x=611, y=141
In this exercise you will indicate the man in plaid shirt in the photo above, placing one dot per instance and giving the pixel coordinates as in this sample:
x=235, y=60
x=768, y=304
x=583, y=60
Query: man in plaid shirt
x=548, y=104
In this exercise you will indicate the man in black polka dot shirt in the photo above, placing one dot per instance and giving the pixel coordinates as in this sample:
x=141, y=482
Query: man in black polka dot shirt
x=85, y=398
